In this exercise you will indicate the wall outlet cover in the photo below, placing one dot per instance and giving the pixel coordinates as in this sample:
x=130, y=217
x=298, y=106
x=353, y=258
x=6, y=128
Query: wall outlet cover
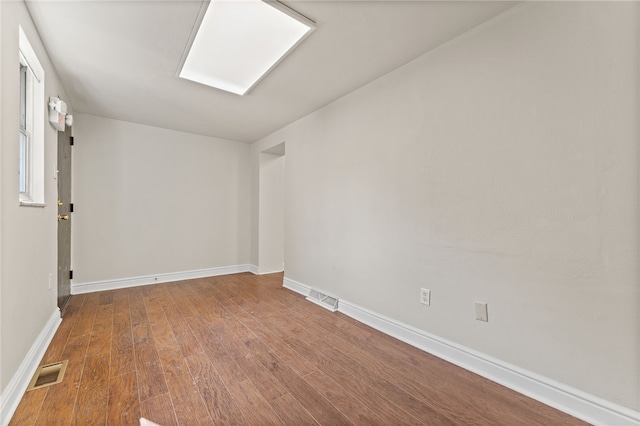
x=425, y=296
x=481, y=312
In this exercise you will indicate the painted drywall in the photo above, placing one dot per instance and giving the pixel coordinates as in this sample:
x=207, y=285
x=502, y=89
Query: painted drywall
x=152, y=201
x=501, y=167
x=29, y=234
x=271, y=208
x=1, y=156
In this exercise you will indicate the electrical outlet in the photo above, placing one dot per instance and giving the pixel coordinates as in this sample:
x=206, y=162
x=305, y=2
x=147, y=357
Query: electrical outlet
x=425, y=296
x=50, y=281
x=481, y=312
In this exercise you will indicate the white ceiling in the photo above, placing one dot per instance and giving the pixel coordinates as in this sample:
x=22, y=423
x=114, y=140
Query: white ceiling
x=119, y=59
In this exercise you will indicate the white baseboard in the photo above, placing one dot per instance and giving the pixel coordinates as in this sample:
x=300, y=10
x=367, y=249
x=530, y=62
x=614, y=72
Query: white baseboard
x=253, y=269
x=296, y=286
x=15, y=389
x=268, y=272
x=94, y=286
x=572, y=401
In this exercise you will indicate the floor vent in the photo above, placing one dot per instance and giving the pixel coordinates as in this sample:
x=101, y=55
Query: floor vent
x=326, y=301
x=48, y=375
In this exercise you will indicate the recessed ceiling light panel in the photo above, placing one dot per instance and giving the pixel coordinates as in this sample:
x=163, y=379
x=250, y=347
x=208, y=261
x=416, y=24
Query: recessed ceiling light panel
x=240, y=41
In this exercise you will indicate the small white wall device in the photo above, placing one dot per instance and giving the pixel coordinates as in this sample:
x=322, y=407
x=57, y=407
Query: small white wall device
x=57, y=113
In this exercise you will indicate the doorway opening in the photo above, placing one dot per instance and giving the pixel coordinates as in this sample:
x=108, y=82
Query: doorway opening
x=271, y=210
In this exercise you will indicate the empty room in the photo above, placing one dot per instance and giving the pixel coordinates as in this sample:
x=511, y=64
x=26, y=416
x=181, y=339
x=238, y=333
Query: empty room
x=323, y=212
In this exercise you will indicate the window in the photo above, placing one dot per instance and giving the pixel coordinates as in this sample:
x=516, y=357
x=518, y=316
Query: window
x=32, y=122
x=25, y=130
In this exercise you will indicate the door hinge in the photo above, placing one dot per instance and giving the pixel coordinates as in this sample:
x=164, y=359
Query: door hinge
x=70, y=207
x=71, y=140
x=71, y=274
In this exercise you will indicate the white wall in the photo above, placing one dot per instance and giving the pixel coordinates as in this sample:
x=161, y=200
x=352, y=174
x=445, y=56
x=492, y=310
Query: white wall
x=501, y=167
x=1, y=157
x=271, y=213
x=29, y=234
x=151, y=201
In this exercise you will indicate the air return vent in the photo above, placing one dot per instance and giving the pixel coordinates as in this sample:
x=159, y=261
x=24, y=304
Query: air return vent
x=48, y=375
x=324, y=300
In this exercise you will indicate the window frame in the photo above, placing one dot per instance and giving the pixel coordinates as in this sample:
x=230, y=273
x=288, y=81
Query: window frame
x=32, y=120
x=26, y=129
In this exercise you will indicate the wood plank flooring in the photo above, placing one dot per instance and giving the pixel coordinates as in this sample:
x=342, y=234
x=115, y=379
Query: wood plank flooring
x=240, y=349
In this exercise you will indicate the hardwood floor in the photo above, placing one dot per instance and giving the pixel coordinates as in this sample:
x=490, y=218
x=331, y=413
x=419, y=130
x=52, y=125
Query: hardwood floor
x=240, y=349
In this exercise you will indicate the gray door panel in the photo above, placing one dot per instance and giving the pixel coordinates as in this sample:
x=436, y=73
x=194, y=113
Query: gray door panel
x=64, y=226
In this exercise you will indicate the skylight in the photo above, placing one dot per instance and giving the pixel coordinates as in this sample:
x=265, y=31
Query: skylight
x=240, y=41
